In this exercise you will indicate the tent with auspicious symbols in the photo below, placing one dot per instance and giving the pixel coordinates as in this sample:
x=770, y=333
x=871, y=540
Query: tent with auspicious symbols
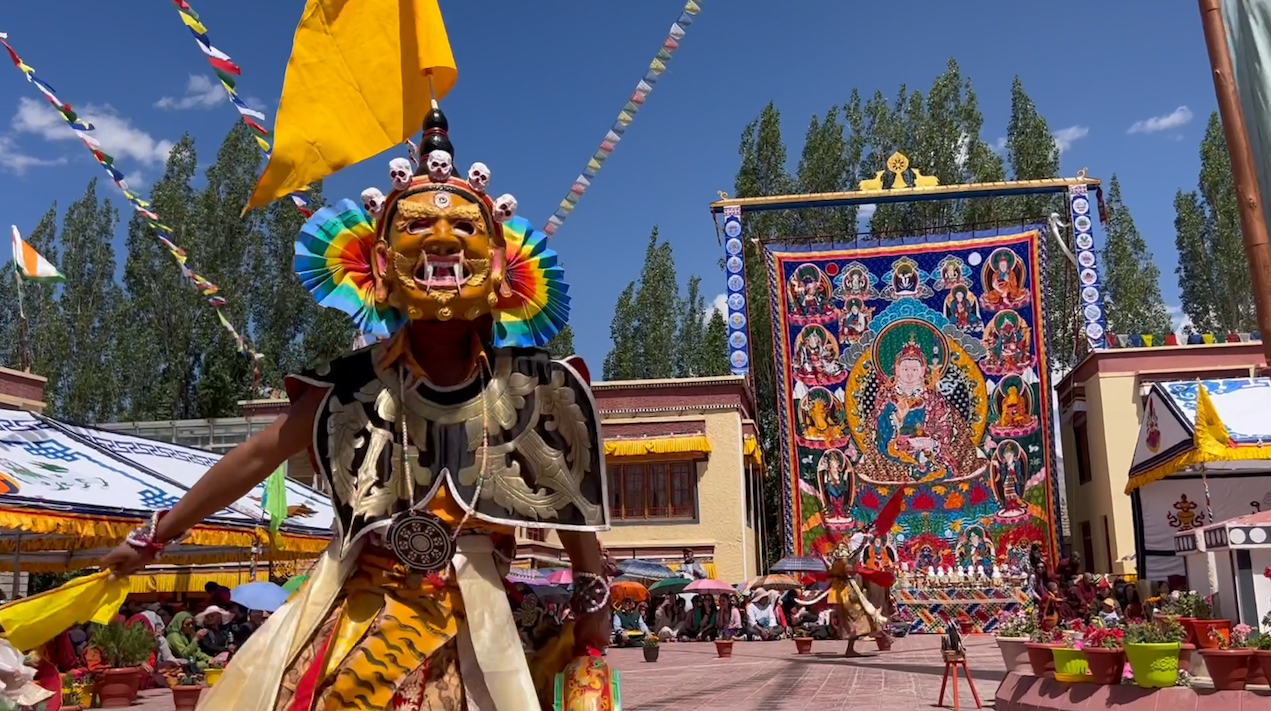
x=68, y=494
x=1203, y=455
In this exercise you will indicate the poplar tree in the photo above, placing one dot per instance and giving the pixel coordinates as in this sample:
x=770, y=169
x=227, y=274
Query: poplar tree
x=656, y=306
x=714, y=361
x=87, y=314
x=827, y=165
x=159, y=303
x=620, y=363
x=562, y=344
x=1132, y=300
x=1213, y=274
x=690, y=344
x=36, y=302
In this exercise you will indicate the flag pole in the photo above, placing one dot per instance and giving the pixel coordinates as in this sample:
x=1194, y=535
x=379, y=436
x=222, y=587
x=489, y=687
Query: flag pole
x=1249, y=200
x=25, y=357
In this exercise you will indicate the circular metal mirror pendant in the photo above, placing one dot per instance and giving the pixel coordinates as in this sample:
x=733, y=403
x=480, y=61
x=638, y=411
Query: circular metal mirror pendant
x=421, y=542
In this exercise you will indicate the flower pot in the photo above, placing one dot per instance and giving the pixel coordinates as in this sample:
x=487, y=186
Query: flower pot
x=1040, y=659
x=803, y=645
x=1262, y=657
x=1256, y=676
x=85, y=697
x=724, y=648
x=1203, y=632
x=884, y=642
x=1071, y=666
x=211, y=676
x=186, y=698
x=1106, y=665
x=1186, y=624
x=117, y=688
x=1014, y=655
x=651, y=653
x=1229, y=668
x=1185, y=652
x=1155, y=666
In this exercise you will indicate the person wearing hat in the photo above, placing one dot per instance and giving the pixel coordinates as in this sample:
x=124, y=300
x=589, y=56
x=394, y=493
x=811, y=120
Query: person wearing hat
x=1108, y=612
x=214, y=639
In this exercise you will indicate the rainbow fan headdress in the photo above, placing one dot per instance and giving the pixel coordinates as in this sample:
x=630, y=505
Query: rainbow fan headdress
x=341, y=249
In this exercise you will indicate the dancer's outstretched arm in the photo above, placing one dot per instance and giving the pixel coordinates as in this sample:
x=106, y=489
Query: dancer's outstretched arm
x=229, y=480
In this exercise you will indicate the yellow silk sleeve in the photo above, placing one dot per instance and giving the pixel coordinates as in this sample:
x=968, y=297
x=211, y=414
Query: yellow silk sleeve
x=33, y=621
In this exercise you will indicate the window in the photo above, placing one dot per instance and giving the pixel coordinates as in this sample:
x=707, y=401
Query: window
x=535, y=534
x=1082, y=441
x=653, y=491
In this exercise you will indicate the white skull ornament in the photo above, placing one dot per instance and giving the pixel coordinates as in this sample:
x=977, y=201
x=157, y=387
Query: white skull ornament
x=439, y=166
x=373, y=201
x=504, y=208
x=479, y=177
x=399, y=172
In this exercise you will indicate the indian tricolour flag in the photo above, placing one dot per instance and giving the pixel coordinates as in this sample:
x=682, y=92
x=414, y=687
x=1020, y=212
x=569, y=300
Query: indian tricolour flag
x=31, y=265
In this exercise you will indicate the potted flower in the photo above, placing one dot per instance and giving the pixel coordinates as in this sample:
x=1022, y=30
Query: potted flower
x=802, y=640
x=212, y=674
x=651, y=648
x=1151, y=648
x=1013, y=631
x=1041, y=660
x=77, y=689
x=1202, y=631
x=1071, y=665
x=1104, y=654
x=1228, y=661
x=185, y=695
x=124, y=648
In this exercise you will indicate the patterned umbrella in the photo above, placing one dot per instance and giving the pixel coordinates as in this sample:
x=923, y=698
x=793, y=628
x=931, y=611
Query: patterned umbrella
x=774, y=582
x=800, y=564
x=644, y=569
x=529, y=576
x=709, y=587
x=561, y=577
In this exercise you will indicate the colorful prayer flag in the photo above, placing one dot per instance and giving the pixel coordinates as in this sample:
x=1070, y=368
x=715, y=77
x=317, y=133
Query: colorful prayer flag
x=274, y=502
x=31, y=265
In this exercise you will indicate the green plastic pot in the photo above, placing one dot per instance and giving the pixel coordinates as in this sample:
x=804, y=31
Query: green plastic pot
x=1070, y=665
x=1155, y=666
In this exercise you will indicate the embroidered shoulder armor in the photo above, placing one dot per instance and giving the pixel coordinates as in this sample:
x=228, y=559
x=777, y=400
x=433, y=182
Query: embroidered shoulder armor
x=517, y=447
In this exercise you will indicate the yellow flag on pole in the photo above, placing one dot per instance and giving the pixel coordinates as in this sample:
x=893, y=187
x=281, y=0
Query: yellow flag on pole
x=357, y=84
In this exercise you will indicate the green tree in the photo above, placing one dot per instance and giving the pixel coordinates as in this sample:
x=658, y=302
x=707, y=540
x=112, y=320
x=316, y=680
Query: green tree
x=36, y=302
x=160, y=305
x=562, y=344
x=762, y=172
x=692, y=329
x=827, y=165
x=1033, y=155
x=1132, y=300
x=621, y=362
x=1213, y=273
x=226, y=240
x=715, y=347
x=87, y=314
x=656, y=305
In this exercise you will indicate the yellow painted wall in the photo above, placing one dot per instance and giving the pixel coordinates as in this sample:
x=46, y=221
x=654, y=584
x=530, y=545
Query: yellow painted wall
x=721, y=507
x=1113, y=413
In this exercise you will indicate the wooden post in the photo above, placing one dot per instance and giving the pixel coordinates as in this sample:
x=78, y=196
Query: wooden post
x=1252, y=225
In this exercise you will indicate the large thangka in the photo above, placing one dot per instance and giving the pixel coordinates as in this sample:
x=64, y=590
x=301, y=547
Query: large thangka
x=917, y=366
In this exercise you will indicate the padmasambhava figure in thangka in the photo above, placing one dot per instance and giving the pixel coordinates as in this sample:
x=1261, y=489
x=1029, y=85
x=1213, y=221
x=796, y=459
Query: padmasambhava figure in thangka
x=437, y=443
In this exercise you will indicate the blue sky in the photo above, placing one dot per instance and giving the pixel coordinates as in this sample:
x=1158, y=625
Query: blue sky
x=540, y=83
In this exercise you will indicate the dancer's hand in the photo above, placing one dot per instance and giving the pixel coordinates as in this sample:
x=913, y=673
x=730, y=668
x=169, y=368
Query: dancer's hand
x=125, y=560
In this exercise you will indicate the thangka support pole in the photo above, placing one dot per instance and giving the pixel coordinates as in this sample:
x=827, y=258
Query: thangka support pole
x=1249, y=199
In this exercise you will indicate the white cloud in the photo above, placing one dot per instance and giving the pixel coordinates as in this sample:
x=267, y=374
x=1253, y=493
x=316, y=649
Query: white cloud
x=200, y=93
x=864, y=212
x=1179, y=319
x=720, y=304
x=963, y=149
x=1174, y=119
x=13, y=160
x=1000, y=144
x=1065, y=137
x=135, y=180
x=117, y=135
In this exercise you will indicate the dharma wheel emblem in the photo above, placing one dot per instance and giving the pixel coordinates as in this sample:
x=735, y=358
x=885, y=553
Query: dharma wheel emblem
x=421, y=542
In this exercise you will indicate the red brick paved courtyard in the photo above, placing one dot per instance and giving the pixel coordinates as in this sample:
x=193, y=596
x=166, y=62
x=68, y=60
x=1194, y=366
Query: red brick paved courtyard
x=769, y=676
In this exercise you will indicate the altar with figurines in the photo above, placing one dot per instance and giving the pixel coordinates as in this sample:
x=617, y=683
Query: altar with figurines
x=970, y=598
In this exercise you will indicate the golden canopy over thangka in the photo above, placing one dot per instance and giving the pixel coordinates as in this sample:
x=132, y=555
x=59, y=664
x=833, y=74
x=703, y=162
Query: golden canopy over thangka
x=518, y=446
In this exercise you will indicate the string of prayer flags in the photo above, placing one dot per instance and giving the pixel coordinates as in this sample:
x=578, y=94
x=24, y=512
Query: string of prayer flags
x=31, y=264
x=1189, y=337
x=227, y=71
x=83, y=130
x=625, y=117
